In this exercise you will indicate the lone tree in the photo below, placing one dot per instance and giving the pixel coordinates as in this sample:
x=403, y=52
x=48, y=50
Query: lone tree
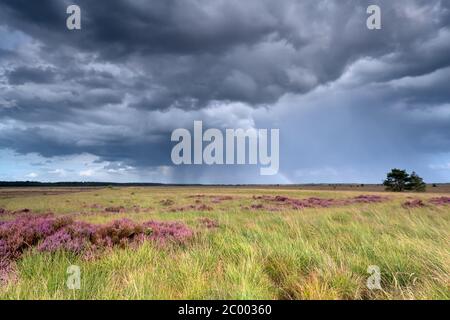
x=396, y=180
x=416, y=183
x=399, y=180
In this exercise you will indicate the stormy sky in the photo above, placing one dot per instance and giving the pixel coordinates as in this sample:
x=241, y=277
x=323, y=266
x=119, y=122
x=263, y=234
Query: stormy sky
x=100, y=103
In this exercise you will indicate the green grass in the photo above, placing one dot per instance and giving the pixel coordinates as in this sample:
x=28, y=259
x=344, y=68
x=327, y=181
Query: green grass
x=308, y=254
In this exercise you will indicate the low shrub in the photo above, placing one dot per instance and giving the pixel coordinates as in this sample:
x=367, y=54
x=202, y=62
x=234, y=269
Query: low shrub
x=415, y=203
x=439, y=201
x=49, y=233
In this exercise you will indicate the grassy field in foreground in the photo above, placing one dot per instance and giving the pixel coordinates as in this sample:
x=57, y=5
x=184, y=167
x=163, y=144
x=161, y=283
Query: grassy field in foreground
x=270, y=251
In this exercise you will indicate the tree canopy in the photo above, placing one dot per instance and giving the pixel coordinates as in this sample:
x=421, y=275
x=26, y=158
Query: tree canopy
x=399, y=180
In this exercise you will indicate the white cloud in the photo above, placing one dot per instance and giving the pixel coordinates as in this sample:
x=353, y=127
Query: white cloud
x=443, y=166
x=32, y=175
x=87, y=173
x=59, y=172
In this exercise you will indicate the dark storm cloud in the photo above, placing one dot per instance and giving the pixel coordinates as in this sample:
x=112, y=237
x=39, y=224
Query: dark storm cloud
x=252, y=51
x=202, y=51
x=113, y=88
x=22, y=75
x=118, y=28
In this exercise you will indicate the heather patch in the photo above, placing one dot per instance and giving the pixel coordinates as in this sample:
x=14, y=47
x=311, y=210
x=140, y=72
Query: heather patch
x=294, y=203
x=258, y=206
x=414, y=203
x=440, y=201
x=8, y=272
x=118, y=209
x=204, y=207
x=213, y=198
x=115, y=209
x=314, y=202
x=16, y=212
x=368, y=199
x=75, y=237
x=181, y=209
x=218, y=199
x=192, y=207
x=167, y=202
x=208, y=223
x=163, y=232
x=48, y=233
x=24, y=232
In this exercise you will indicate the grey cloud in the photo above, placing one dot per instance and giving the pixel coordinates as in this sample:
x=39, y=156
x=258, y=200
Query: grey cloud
x=234, y=50
x=22, y=75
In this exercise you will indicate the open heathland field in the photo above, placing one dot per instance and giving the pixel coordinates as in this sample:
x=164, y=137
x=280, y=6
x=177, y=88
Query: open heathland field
x=222, y=243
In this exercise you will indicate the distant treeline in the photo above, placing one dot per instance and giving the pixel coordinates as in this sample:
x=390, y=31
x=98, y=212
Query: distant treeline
x=149, y=184
x=111, y=184
x=71, y=184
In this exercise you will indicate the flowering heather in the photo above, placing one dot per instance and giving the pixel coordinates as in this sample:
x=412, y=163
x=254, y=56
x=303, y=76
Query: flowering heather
x=7, y=272
x=297, y=203
x=200, y=207
x=415, y=203
x=214, y=198
x=23, y=232
x=117, y=233
x=182, y=209
x=440, y=201
x=163, y=232
x=74, y=237
x=50, y=234
x=317, y=202
x=115, y=209
x=368, y=199
x=204, y=207
x=258, y=206
x=217, y=199
x=208, y=223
